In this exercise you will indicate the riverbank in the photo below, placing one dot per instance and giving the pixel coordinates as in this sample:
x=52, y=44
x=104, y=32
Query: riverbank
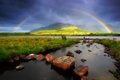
x=10, y=47
x=112, y=48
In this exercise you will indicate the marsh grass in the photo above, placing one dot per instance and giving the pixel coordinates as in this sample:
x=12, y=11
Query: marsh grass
x=10, y=47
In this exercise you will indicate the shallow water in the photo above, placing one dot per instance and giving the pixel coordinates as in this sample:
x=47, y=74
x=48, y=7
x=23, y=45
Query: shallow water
x=99, y=64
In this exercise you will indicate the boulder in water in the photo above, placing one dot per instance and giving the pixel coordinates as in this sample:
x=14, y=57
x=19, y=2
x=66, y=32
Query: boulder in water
x=70, y=54
x=64, y=62
x=78, y=51
x=31, y=56
x=49, y=58
x=19, y=67
x=81, y=71
x=39, y=57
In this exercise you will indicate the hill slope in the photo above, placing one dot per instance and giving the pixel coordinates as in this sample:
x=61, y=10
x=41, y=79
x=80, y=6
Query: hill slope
x=60, y=29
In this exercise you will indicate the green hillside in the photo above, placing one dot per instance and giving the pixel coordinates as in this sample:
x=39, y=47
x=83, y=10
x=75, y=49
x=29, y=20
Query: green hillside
x=67, y=30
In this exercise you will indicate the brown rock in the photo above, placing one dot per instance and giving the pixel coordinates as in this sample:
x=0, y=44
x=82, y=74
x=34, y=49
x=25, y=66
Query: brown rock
x=78, y=51
x=19, y=67
x=16, y=58
x=64, y=62
x=81, y=70
x=83, y=60
x=31, y=56
x=49, y=58
x=85, y=78
x=70, y=54
x=39, y=57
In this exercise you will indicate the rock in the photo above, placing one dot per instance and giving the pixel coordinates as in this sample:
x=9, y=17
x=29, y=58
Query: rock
x=39, y=57
x=64, y=62
x=31, y=56
x=11, y=61
x=89, y=50
x=49, y=58
x=85, y=78
x=81, y=71
x=16, y=58
x=19, y=67
x=22, y=56
x=88, y=45
x=78, y=51
x=70, y=54
x=83, y=60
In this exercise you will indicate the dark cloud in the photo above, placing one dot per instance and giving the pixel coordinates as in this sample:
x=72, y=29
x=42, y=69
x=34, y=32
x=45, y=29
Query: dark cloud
x=12, y=10
x=45, y=12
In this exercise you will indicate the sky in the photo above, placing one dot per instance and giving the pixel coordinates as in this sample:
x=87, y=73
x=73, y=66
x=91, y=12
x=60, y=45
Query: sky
x=27, y=15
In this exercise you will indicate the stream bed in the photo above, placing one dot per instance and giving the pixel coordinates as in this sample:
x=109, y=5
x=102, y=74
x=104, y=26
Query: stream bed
x=100, y=64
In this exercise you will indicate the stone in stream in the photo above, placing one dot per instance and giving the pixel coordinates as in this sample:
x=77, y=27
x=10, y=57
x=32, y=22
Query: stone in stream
x=83, y=60
x=49, y=58
x=16, y=58
x=19, y=67
x=70, y=54
x=78, y=51
x=65, y=62
x=22, y=56
x=11, y=61
x=89, y=50
x=81, y=71
x=39, y=57
x=31, y=56
x=85, y=78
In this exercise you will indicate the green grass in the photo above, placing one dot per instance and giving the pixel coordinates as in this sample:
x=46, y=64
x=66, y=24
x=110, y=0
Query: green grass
x=10, y=47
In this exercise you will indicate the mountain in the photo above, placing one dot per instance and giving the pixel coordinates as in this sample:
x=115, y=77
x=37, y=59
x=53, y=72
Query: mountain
x=55, y=26
x=60, y=29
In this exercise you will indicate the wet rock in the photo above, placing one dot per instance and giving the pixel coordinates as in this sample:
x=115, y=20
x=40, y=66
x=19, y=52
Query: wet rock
x=83, y=60
x=49, y=58
x=89, y=50
x=11, y=61
x=19, y=67
x=104, y=55
x=78, y=51
x=85, y=78
x=81, y=70
x=39, y=57
x=88, y=45
x=31, y=56
x=64, y=62
x=70, y=54
x=16, y=58
x=22, y=56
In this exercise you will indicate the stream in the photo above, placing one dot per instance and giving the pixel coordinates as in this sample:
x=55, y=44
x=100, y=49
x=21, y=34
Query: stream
x=99, y=64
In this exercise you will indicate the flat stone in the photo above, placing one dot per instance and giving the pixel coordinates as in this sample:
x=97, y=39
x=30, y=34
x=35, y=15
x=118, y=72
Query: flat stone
x=19, y=67
x=78, y=51
x=81, y=70
x=39, y=57
x=49, y=58
x=64, y=62
x=70, y=54
x=31, y=56
x=83, y=60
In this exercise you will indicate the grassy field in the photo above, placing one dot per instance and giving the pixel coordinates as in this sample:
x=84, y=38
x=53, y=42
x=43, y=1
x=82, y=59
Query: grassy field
x=10, y=47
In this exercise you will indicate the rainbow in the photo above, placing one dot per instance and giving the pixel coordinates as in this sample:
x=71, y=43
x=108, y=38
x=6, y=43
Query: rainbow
x=18, y=26
x=105, y=26
x=99, y=21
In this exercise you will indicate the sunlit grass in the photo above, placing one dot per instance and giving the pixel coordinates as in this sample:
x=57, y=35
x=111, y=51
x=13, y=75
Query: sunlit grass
x=16, y=46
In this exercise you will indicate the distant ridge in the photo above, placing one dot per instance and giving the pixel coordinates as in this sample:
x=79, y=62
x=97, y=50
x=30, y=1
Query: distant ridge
x=55, y=26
